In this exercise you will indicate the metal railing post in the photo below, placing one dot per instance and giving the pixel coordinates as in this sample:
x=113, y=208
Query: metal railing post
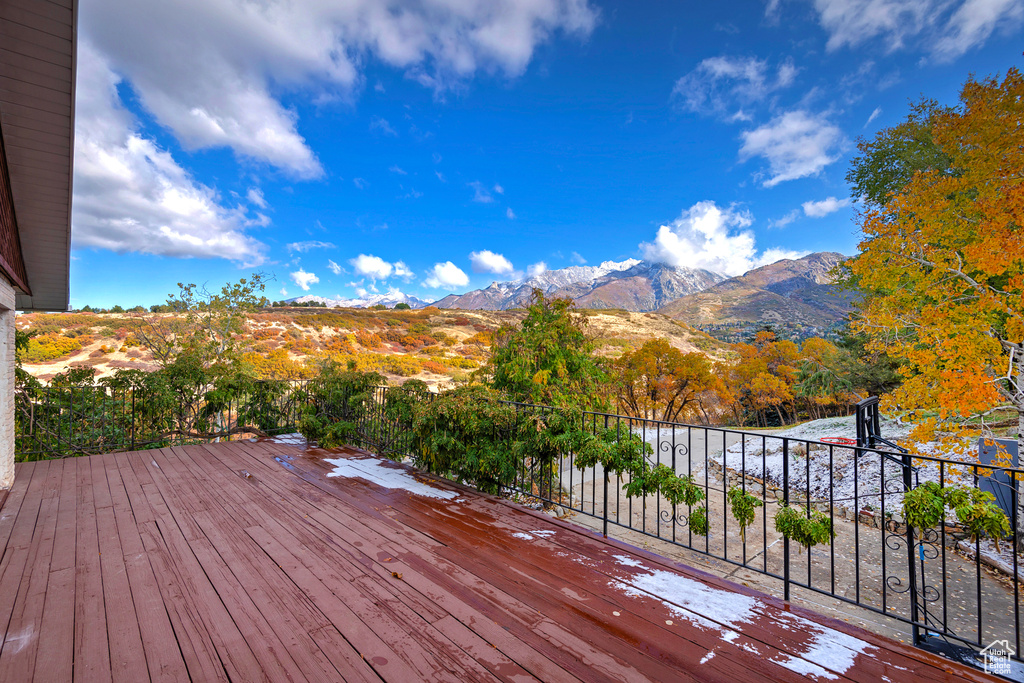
x=785, y=501
x=908, y=483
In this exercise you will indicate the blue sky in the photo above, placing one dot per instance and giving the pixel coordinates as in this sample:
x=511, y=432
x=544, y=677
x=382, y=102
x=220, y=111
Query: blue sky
x=434, y=146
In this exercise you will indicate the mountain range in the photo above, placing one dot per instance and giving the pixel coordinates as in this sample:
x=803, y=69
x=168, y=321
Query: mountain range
x=632, y=285
x=388, y=299
x=791, y=292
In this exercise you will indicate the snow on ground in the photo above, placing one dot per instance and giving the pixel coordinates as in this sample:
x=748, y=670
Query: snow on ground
x=834, y=474
x=384, y=473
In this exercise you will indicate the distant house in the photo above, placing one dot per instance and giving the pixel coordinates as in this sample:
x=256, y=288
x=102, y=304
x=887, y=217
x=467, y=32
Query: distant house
x=37, y=123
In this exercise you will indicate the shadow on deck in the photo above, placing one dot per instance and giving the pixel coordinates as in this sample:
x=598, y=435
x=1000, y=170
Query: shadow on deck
x=250, y=561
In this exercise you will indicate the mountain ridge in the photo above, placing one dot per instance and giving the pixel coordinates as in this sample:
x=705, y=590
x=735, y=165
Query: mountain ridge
x=790, y=292
x=632, y=285
x=388, y=299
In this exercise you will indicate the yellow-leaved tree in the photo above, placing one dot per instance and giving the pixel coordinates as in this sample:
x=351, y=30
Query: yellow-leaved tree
x=942, y=259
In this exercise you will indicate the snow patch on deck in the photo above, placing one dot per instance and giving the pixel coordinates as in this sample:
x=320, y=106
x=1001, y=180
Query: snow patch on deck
x=828, y=652
x=383, y=474
x=294, y=439
x=828, y=649
x=628, y=561
x=533, y=535
x=692, y=600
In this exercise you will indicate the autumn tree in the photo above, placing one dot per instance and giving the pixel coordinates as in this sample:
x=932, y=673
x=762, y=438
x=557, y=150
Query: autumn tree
x=660, y=382
x=821, y=382
x=547, y=358
x=942, y=262
x=203, y=328
x=760, y=383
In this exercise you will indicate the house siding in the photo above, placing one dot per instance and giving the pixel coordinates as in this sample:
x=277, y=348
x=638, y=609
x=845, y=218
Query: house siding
x=11, y=262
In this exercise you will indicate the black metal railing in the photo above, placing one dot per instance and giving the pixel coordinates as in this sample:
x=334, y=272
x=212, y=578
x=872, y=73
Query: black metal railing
x=86, y=419
x=938, y=582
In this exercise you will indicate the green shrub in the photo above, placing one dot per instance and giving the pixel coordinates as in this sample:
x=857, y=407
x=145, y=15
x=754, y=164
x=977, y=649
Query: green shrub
x=743, y=505
x=803, y=527
x=49, y=347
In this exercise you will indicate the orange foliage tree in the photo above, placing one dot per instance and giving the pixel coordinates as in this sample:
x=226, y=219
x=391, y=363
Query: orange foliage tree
x=660, y=382
x=761, y=381
x=942, y=263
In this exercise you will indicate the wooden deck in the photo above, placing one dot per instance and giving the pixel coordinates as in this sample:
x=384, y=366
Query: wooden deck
x=247, y=562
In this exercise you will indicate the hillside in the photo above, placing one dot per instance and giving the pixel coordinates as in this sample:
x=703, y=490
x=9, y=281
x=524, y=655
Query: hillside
x=630, y=285
x=796, y=295
x=431, y=344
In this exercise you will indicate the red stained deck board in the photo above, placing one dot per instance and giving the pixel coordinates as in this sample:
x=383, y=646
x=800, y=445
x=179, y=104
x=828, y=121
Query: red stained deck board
x=219, y=562
x=543, y=581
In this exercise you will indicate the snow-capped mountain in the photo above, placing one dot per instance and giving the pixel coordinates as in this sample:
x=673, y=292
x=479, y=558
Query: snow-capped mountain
x=631, y=284
x=388, y=299
x=550, y=280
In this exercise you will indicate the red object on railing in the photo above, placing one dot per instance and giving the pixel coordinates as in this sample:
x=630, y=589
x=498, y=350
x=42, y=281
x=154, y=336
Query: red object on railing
x=839, y=440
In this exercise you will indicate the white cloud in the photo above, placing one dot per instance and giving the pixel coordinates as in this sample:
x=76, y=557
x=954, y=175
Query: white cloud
x=212, y=71
x=785, y=220
x=284, y=291
x=132, y=196
x=721, y=84
x=446, y=275
x=440, y=176
x=874, y=115
x=303, y=247
x=972, y=24
x=947, y=28
x=577, y=259
x=397, y=169
x=536, y=269
x=499, y=189
x=713, y=238
x=255, y=196
x=851, y=22
x=360, y=183
x=489, y=262
x=403, y=271
x=824, y=207
x=796, y=145
x=480, y=193
x=510, y=214
x=334, y=267
x=377, y=123
x=304, y=279
x=372, y=266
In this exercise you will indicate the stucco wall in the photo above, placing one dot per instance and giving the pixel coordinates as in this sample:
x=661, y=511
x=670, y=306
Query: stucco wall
x=6, y=384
